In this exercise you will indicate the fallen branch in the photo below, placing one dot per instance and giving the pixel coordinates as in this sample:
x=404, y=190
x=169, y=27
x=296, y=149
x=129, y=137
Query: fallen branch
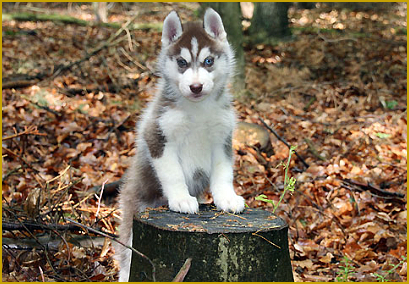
x=313, y=150
x=347, y=183
x=18, y=84
x=335, y=40
x=119, y=242
x=70, y=92
x=113, y=40
x=183, y=271
x=285, y=142
x=35, y=226
x=72, y=64
x=44, y=247
x=46, y=108
x=21, y=80
x=24, y=16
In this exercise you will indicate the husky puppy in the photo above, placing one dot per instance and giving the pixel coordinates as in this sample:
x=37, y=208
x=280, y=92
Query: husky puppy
x=184, y=143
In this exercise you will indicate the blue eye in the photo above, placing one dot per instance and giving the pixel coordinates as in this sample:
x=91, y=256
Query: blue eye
x=208, y=62
x=181, y=63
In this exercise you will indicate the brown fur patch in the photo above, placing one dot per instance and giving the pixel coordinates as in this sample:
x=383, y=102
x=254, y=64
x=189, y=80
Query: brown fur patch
x=153, y=134
x=155, y=139
x=151, y=194
x=196, y=30
x=165, y=102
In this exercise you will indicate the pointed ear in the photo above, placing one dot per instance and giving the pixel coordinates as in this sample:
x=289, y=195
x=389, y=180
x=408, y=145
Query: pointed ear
x=213, y=24
x=172, y=29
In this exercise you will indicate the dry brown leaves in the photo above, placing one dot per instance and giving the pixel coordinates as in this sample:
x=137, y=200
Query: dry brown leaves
x=336, y=100
x=339, y=96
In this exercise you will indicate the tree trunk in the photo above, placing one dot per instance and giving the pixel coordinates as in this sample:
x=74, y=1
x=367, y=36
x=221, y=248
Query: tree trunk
x=231, y=16
x=269, y=20
x=305, y=5
x=101, y=11
x=252, y=246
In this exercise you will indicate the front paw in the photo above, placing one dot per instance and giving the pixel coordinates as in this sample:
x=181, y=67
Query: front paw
x=186, y=204
x=232, y=203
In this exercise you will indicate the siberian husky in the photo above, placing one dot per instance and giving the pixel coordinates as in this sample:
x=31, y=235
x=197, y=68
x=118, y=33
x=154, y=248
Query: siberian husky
x=184, y=137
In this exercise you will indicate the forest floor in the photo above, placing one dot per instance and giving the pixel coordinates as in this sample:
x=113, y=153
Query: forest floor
x=336, y=90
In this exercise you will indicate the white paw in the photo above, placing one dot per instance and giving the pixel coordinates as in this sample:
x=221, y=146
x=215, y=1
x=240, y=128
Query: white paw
x=232, y=203
x=186, y=204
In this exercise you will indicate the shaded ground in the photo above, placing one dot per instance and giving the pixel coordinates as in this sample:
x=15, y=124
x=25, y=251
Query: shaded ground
x=337, y=91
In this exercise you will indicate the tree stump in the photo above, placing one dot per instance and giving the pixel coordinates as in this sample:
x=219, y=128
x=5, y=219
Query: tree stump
x=251, y=246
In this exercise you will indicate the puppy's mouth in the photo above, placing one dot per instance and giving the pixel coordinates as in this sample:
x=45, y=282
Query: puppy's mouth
x=197, y=97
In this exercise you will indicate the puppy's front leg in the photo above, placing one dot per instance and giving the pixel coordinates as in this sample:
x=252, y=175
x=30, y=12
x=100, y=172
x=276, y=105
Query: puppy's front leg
x=173, y=182
x=221, y=180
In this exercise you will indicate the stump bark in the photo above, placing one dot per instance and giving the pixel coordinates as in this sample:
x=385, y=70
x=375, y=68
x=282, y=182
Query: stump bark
x=251, y=246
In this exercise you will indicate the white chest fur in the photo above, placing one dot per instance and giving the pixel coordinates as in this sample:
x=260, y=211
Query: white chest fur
x=195, y=130
x=204, y=122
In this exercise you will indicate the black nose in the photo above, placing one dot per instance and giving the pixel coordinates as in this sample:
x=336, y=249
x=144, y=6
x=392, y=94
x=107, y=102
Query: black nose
x=196, y=88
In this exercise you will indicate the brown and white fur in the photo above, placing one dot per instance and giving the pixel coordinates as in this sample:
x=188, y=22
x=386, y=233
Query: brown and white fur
x=185, y=134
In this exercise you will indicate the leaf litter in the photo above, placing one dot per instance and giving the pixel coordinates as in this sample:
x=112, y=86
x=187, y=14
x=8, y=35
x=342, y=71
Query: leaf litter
x=337, y=91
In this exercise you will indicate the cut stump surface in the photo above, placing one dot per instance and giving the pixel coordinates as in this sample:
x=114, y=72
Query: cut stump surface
x=251, y=246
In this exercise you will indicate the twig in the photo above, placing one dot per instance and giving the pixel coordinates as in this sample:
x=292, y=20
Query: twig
x=66, y=188
x=108, y=215
x=99, y=198
x=11, y=172
x=20, y=158
x=283, y=140
x=139, y=65
x=66, y=244
x=41, y=273
x=270, y=242
x=110, y=42
x=119, y=242
x=228, y=240
x=72, y=64
x=31, y=130
x=235, y=215
x=111, y=189
x=118, y=60
x=183, y=271
x=128, y=34
x=60, y=175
